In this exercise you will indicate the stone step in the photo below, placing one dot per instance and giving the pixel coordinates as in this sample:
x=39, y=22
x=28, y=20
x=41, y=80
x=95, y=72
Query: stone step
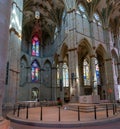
x=88, y=107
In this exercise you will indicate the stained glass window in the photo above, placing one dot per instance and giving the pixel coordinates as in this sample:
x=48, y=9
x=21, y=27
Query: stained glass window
x=86, y=73
x=35, y=46
x=58, y=76
x=35, y=71
x=97, y=77
x=81, y=10
x=96, y=19
x=65, y=75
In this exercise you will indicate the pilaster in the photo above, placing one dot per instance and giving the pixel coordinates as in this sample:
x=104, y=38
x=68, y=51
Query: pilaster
x=4, y=38
x=15, y=30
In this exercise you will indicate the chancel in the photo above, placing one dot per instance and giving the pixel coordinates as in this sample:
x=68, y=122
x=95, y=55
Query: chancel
x=66, y=49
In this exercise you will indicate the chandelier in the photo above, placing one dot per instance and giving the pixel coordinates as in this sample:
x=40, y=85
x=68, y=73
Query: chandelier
x=89, y=1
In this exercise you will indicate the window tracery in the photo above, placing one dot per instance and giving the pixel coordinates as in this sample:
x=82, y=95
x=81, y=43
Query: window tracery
x=35, y=71
x=35, y=46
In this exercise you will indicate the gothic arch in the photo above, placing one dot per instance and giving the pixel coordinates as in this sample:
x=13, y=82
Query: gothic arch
x=47, y=73
x=115, y=65
x=114, y=54
x=101, y=55
x=63, y=51
x=24, y=58
x=101, y=51
x=36, y=61
x=47, y=61
x=85, y=51
x=84, y=48
x=23, y=70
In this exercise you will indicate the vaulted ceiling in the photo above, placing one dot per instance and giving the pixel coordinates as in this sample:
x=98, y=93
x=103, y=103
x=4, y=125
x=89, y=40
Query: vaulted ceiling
x=50, y=16
x=51, y=12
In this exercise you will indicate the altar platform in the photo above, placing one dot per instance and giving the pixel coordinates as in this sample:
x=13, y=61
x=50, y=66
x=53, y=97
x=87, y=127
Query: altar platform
x=69, y=115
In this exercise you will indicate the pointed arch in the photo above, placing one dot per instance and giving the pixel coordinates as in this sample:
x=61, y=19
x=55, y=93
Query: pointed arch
x=47, y=61
x=24, y=58
x=114, y=54
x=63, y=51
x=115, y=65
x=101, y=51
x=47, y=73
x=85, y=47
x=23, y=70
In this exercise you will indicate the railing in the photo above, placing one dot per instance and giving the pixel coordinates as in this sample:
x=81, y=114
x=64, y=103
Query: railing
x=45, y=112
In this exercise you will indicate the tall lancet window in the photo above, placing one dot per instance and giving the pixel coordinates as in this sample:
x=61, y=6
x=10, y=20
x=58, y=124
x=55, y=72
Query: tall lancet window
x=35, y=46
x=35, y=71
x=65, y=75
x=97, y=72
x=86, y=72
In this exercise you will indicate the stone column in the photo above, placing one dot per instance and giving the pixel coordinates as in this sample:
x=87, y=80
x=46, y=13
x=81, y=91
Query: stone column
x=74, y=74
x=110, y=79
x=61, y=80
x=118, y=73
x=93, y=80
x=4, y=38
x=109, y=67
x=54, y=86
x=117, y=41
x=92, y=33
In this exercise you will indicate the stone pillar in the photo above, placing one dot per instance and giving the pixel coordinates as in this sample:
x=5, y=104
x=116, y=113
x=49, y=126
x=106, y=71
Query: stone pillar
x=4, y=38
x=14, y=51
x=74, y=74
x=92, y=65
x=109, y=67
x=81, y=79
x=54, y=86
x=92, y=33
x=118, y=79
x=61, y=80
x=118, y=65
x=109, y=79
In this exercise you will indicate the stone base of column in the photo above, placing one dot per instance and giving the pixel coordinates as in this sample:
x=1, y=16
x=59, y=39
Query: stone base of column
x=4, y=124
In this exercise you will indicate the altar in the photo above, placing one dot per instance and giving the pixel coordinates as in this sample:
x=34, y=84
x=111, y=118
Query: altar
x=89, y=99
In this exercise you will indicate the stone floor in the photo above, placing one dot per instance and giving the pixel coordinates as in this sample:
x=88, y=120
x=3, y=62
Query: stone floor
x=53, y=117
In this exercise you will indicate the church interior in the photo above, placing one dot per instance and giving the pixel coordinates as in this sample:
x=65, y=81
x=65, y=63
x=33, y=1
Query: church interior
x=67, y=49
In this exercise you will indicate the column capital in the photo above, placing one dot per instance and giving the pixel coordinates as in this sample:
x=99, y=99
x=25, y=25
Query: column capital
x=72, y=49
x=61, y=61
x=109, y=59
x=93, y=56
x=71, y=11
